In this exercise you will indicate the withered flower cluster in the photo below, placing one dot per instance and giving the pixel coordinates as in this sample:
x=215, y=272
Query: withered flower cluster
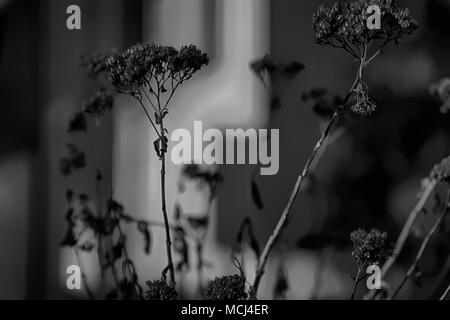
x=139, y=65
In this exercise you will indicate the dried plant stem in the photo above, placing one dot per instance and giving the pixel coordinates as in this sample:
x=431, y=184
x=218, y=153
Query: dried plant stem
x=355, y=287
x=338, y=133
x=285, y=214
x=407, y=226
x=445, y=293
x=170, y=266
x=440, y=278
x=83, y=276
x=421, y=250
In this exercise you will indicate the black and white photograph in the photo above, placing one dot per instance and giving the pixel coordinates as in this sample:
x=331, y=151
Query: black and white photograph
x=226, y=154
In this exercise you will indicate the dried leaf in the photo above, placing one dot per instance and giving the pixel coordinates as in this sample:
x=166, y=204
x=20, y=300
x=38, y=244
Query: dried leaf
x=86, y=246
x=262, y=66
x=98, y=176
x=77, y=123
x=68, y=239
x=145, y=230
x=74, y=161
x=69, y=195
x=246, y=235
x=281, y=284
x=177, y=212
x=117, y=250
x=198, y=223
x=292, y=68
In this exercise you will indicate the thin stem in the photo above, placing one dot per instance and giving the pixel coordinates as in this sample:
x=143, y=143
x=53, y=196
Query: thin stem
x=355, y=288
x=407, y=227
x=148, y=116
x=373, y=57
x=445, y=293
x=83, y=276
x=285, y=214
x=149, y=100
x=163, y=207
x=332, y=139
x=440, y=278
x=422, y=250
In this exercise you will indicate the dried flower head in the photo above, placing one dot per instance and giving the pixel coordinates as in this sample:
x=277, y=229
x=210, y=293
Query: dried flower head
x=140, y=64
x=370, y=247
x=159, y=290
x=441, y=90
x=363, y=104
x=344, y=24
x=441, y=171
x=99, y=104
x=227, y=288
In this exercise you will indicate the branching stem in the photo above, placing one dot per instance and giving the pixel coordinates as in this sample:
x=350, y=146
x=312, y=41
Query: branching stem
x=422, y=248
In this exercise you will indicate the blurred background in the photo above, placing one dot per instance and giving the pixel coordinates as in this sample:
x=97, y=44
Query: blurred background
x=369, y=177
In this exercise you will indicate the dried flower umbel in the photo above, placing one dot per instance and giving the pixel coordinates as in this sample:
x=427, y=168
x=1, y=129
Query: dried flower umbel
x=227, y=288
x=344, y=25
x=369, y=248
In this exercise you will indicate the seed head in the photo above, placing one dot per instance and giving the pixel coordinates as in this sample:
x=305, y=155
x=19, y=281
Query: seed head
x=370, y=247
x=227, y=288
x=159, y=290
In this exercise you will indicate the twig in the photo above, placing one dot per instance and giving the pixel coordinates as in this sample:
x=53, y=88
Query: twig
x=148, y=117
x=374, y=56
x=422, y=249
x=338, y=133
x=164, y=210
x=357, y=281
x=285, y=214
x=407, y=227
x=445, y=293
x=440, y=278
